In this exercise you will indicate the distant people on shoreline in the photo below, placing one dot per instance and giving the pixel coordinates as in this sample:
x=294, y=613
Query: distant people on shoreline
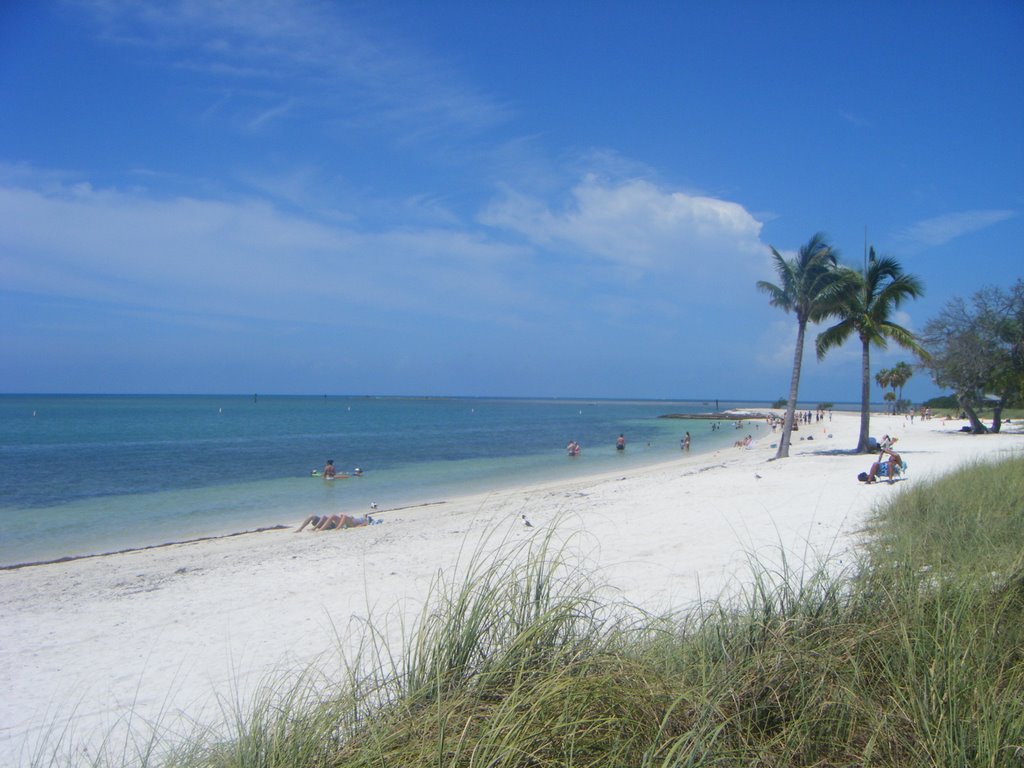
x=685, y=442
x=573, y=448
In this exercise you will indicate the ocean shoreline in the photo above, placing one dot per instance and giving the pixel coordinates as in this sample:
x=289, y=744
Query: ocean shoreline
x=154, y=512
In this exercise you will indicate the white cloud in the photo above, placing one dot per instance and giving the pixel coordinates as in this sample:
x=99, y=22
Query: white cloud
x=941, y=229
x=240, y=258
x=901, y=317
x=637, y=225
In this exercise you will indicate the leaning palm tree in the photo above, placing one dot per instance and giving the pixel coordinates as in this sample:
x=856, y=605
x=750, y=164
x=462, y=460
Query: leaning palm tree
x=868, y=312
x=813, y=287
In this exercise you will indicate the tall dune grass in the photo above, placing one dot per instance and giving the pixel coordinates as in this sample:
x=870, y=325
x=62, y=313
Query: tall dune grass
x=914, y=656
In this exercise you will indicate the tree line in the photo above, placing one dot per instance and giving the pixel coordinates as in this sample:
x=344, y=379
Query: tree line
x=975, y=349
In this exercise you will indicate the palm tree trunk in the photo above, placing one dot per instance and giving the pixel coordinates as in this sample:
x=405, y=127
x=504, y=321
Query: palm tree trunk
x=794, y=385
x=865, y=395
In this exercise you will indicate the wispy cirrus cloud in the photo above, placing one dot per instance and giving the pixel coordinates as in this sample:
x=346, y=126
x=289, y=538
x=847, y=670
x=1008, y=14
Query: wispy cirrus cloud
x=302, y=54
x=941, y=229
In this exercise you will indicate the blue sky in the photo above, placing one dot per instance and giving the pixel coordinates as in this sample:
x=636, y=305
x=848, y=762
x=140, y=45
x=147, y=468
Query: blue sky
x=466, y=198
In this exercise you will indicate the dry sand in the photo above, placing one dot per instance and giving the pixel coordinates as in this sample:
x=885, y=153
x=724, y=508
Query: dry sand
x=164, y=632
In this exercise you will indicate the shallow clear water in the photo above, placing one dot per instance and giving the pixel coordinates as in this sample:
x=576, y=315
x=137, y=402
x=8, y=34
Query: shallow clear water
x=88, y=474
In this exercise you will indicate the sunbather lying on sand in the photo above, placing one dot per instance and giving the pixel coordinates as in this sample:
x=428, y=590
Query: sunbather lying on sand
x=331, y=522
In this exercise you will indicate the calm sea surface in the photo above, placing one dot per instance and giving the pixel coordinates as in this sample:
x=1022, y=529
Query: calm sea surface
x=89, y=474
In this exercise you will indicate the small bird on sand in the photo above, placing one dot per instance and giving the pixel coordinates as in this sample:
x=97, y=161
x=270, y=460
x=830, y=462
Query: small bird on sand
x=526, y=522
x=757, y=476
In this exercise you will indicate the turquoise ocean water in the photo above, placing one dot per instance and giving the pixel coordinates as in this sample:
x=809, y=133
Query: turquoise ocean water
x=91, y=474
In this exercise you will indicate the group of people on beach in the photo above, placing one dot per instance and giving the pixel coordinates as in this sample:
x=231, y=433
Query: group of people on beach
x=335, y=522
x=892, y=466
x=340, y=521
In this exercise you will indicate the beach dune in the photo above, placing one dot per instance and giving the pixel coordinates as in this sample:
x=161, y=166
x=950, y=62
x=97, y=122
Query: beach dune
x=162, y=633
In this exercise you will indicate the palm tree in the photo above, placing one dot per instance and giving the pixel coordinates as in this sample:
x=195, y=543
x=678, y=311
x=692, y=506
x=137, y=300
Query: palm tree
x=883, y=378
x=890, y=397
x=867, y=312
x=813, y=287
x=901, y=374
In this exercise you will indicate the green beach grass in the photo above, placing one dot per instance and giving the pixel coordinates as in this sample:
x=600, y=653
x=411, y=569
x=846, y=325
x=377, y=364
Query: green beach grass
x=913, y=655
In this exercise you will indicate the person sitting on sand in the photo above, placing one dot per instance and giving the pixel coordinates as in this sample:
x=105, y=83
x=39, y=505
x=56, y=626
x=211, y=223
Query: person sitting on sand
x=889, y=467
x=333, y=522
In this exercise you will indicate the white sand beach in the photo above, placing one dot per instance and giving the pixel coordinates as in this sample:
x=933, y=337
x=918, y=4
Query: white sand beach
x=164, y=631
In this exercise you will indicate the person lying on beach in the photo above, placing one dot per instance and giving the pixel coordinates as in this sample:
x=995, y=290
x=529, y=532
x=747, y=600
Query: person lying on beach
x=333, y=522
x=888, y=467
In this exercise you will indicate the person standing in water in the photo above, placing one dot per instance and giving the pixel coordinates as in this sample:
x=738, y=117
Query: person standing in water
x=620, y=444
x=329, y=470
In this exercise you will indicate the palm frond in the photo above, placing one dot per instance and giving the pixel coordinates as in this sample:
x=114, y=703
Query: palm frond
x=834, y=337
x=777, y=297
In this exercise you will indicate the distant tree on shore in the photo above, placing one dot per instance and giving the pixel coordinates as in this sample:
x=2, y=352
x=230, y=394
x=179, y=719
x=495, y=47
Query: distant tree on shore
x=867, y=312
x=883, y=378
x=813, y=287
x=902, y=372
x=942, y=401
x=977, y=350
